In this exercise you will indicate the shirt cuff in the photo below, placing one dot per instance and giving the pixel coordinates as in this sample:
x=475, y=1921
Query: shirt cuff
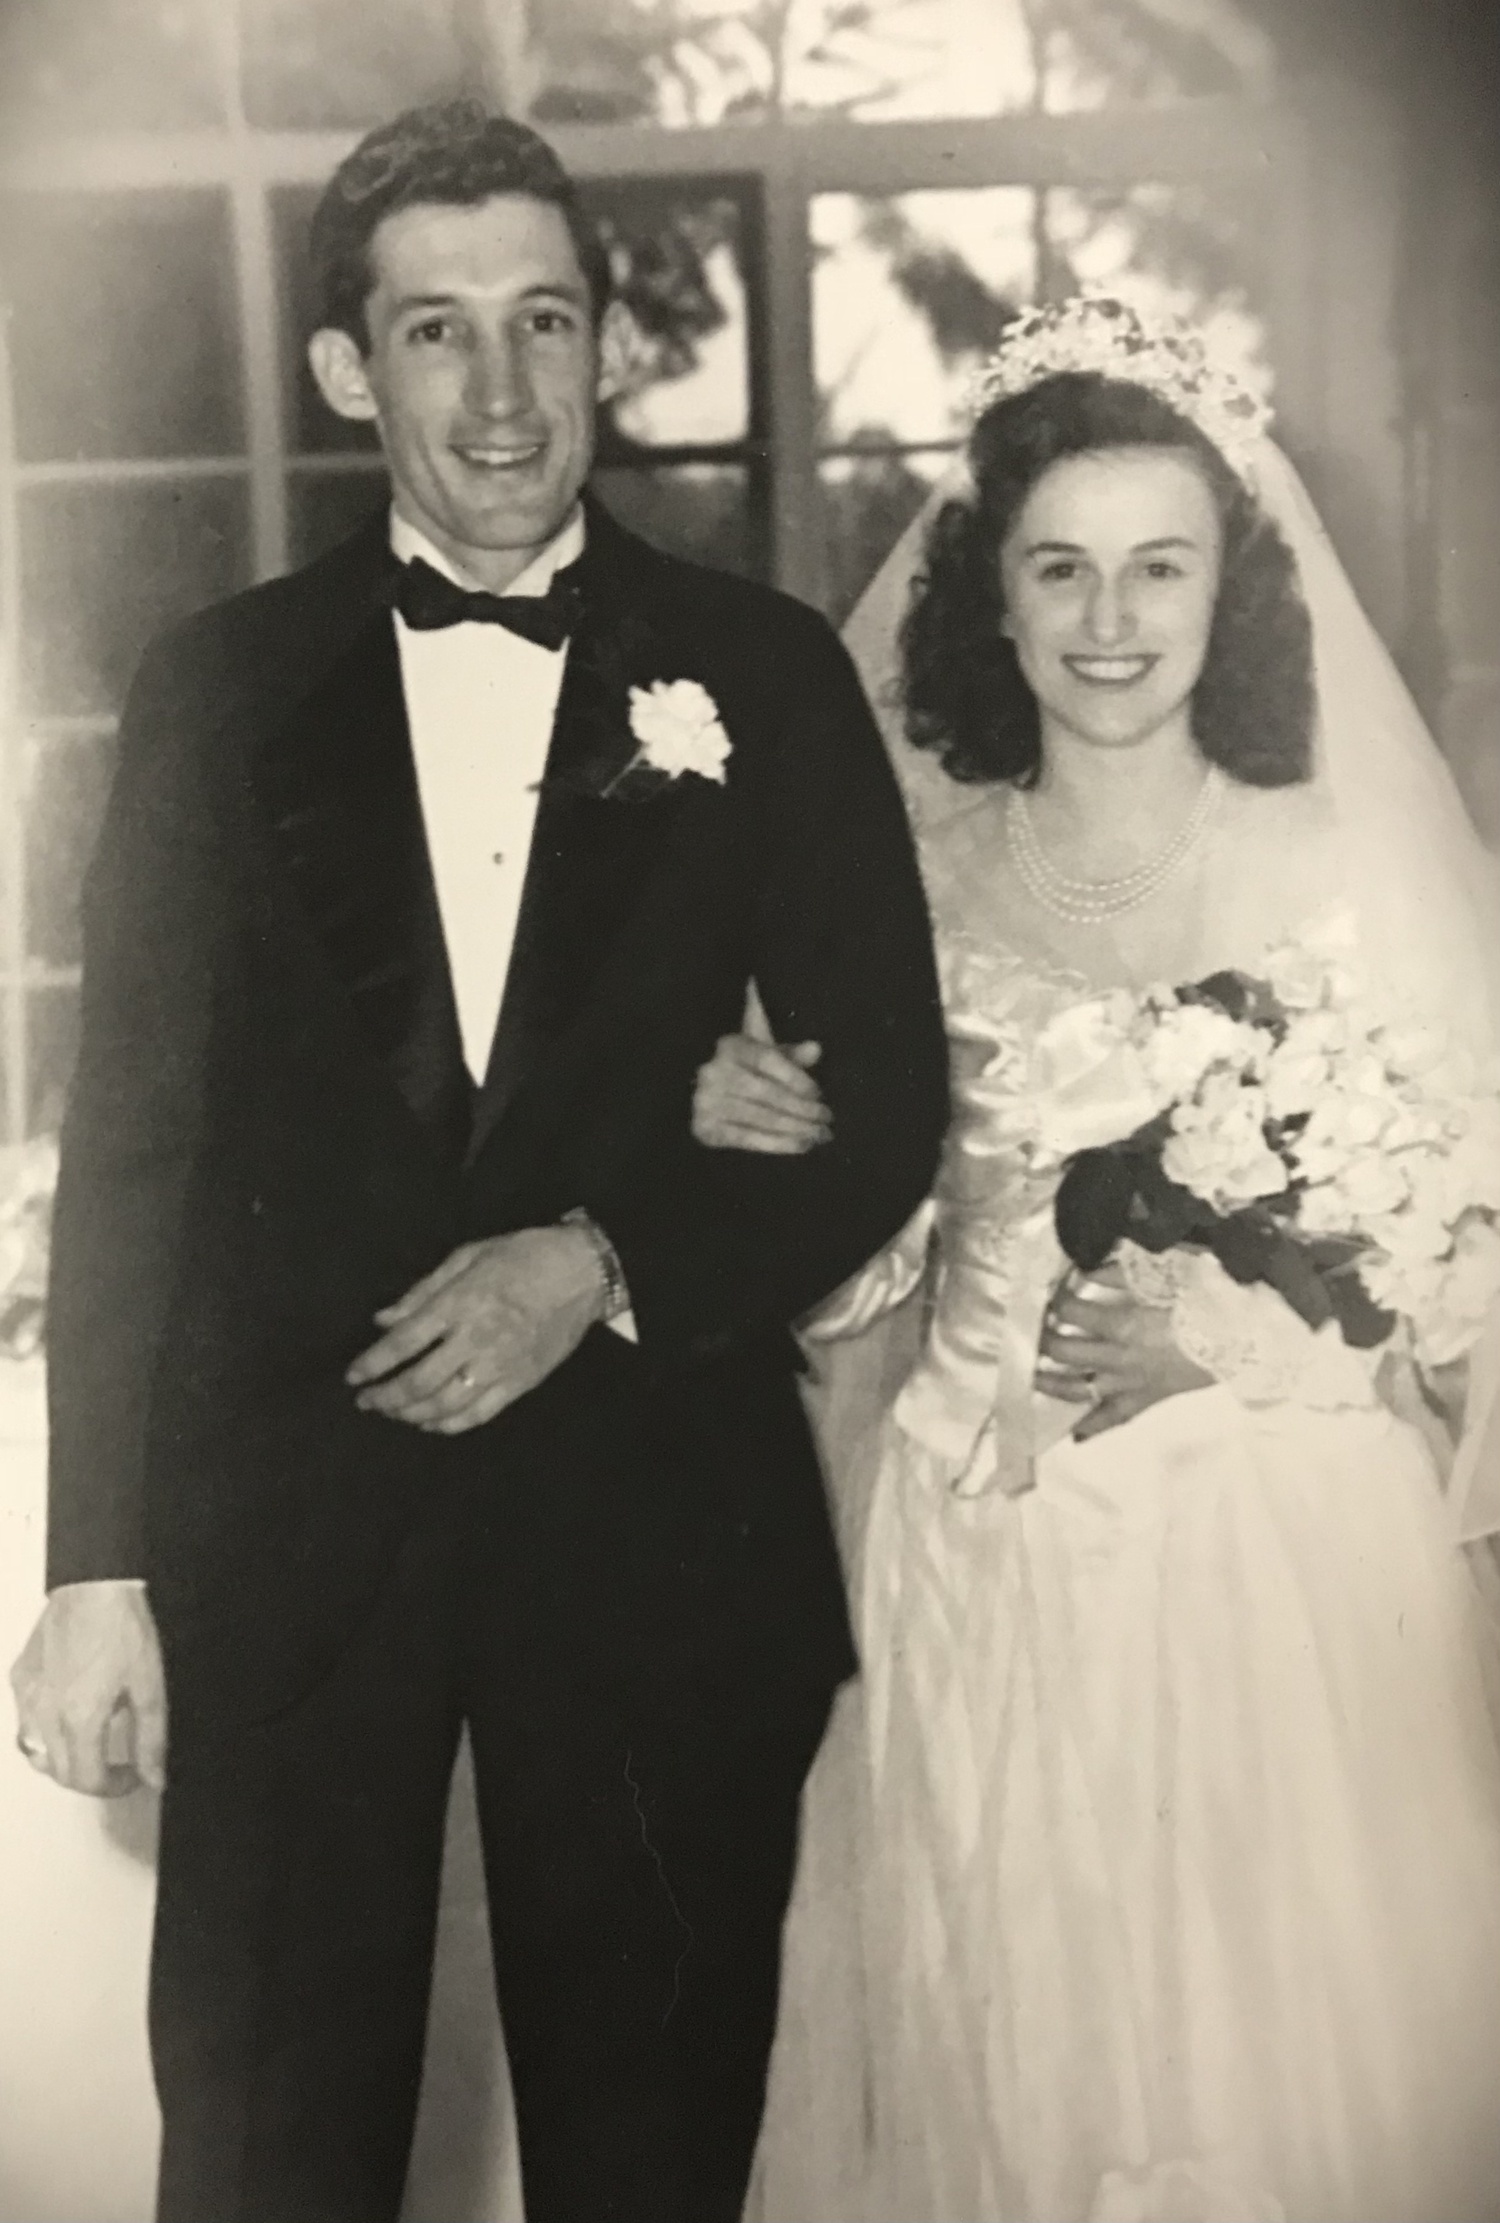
x=100, y=1582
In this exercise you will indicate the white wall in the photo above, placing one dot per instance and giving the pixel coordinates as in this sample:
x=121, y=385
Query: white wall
x=77, y=2118
x=78, y=2122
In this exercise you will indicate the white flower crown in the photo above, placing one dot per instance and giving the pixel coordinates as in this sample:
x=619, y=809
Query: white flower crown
x=1171, y=358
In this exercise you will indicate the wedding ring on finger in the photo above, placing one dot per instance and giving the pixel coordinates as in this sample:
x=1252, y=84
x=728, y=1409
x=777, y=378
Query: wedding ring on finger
x=465, y=1377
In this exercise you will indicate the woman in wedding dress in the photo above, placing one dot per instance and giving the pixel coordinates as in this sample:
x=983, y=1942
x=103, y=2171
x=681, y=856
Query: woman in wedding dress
x=1153, y=1871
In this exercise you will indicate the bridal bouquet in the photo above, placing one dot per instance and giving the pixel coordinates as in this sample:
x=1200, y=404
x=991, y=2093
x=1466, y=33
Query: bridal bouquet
x=28, y=1176
x=1351, y=1162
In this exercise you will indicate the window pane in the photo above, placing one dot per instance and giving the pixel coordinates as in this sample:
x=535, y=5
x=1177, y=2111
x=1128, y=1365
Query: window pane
x=325, y=507
x=137, y=353
x=1196, y=249
x=704, y=511
x=326, y=63
x=312, y=427
x=109, y=65
x=681, y=256
x=105, y=567
x=909, y=292
x=51, y=1053
x=868, y=502
x=67, y=784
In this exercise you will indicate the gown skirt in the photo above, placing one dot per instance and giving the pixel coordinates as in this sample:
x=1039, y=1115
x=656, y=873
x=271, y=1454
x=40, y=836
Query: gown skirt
x=1152, y=1871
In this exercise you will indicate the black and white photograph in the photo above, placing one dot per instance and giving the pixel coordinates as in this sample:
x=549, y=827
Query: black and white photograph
x=750, y=1111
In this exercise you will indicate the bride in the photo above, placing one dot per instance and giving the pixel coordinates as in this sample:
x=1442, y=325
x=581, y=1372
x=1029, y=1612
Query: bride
x=1153, y=1872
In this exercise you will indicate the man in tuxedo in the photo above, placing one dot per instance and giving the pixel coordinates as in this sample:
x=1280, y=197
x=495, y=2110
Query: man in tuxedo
x=411, y=1365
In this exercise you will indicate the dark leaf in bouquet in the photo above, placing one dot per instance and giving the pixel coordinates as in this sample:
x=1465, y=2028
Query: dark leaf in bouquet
x=1147, y=1141
x=1164, y=1213
x=1227, y=991
x=1241, y=995
x=1093, y=1205
x=1362, y=1322
x=1250, y=1248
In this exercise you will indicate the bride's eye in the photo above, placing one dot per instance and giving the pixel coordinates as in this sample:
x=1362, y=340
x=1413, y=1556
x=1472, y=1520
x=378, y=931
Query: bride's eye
x=1059, y=568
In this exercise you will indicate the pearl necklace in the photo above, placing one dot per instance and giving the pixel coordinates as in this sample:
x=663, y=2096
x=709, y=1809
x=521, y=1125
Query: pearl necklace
x=1088, y=902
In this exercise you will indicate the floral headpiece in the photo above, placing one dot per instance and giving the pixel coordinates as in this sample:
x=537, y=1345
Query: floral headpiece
x=1170, y=357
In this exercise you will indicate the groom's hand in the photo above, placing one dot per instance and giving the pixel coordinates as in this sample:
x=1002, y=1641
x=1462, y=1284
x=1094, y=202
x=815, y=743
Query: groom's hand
x=91, y=1701
x=491, y=1322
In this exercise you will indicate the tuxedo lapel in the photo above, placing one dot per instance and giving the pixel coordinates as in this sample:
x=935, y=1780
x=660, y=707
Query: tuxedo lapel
x=339, y=787
x=596, y=835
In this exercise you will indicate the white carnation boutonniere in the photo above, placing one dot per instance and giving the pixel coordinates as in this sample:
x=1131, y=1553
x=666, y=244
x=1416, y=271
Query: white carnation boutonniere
x=678, y=729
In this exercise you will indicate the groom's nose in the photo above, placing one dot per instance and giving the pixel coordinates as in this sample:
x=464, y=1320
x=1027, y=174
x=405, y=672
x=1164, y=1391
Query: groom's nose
x=499, y=380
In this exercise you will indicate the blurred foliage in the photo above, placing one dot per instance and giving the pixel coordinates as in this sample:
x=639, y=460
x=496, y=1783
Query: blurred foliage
x=1183, y=245
x=706, y=61
x=659, y=254
x=667, y=243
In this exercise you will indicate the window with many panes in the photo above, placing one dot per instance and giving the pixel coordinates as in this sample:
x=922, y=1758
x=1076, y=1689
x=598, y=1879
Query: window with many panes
x=821, y=213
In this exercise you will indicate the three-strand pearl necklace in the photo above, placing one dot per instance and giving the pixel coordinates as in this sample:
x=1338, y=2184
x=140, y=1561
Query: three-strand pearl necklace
x=1088, y=902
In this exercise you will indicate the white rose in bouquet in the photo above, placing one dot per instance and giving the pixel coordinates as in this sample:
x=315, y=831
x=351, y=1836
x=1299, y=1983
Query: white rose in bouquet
x=1218, y=1146
x=1187, y=1041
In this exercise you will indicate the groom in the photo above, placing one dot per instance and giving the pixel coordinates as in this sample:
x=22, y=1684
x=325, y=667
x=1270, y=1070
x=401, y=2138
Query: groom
x=403, y=1343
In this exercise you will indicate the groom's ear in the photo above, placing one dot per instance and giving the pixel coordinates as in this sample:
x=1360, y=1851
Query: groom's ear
x=339, y=369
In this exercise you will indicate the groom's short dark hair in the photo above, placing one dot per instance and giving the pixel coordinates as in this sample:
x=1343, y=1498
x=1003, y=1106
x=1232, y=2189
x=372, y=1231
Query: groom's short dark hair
x=453, y=153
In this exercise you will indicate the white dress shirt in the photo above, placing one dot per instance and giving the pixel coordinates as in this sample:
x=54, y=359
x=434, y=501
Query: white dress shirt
x=480, y=703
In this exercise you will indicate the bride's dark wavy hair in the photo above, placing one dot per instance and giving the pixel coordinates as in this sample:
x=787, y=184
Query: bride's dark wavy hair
x=964, y=694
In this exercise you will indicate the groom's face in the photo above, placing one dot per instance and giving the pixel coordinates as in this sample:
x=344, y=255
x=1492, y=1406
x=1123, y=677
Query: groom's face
x=481, y=375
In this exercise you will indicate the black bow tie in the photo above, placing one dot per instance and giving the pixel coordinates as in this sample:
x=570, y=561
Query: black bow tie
x=427, y=600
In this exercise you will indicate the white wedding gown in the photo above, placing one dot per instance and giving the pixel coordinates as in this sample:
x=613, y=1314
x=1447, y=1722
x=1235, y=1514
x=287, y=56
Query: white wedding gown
x=1153, y=1871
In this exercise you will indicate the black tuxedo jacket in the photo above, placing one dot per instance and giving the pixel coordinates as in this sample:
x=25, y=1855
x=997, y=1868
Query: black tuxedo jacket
x=271, y=1132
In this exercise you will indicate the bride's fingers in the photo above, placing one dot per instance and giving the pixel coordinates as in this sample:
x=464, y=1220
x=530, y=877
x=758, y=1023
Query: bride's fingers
x=1077, y=1352
x=1110, y=1412
x=747, y=1060
x=713, y=1122
x=729, y=1125
x=747, y=1091
x=1105, y=1314
x=733, y=1134
x=1067, y=1387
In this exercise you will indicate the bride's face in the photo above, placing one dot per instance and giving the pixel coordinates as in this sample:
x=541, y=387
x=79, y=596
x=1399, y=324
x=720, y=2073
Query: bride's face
x=1109, y=577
